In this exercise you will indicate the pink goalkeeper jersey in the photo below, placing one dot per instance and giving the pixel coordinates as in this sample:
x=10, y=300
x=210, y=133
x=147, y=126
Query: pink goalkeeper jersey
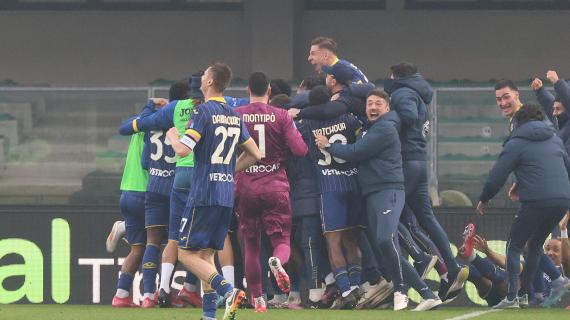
x=277, y=137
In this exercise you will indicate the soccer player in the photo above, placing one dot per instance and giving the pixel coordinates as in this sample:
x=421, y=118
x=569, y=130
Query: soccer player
x=410, y=95
x=323, y=52
x=263, y=189
x=342, y=204
x=541, y=165
x=133, y=187
x=491, y=280
x=164, y=202
x=212, y=135
x=381, y=178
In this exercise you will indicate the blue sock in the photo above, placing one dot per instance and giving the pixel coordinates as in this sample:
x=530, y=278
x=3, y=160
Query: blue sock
x=125, y=281
x=484, y=266
x=209, y=301
x=221, y=285
x=474, y=273
x=547, y=266
x=191, y=278
x=354, y=275
x=341, y=277
x=150, y=268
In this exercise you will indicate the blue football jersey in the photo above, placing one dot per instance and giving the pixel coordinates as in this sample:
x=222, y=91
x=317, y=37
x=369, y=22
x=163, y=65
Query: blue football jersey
x=161, y=156
x=162, y=163
x=359, y=76
x=220, y=129
x=334, y=174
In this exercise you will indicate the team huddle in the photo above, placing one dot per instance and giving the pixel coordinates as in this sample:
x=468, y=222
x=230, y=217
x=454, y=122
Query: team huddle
x=325, y=188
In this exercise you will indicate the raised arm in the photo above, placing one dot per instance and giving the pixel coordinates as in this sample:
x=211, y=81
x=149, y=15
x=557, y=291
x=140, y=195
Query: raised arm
x=544, y=97
x=329, y=110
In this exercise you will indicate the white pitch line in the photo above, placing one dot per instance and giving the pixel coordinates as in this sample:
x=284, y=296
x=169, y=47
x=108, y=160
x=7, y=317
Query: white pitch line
x=473, y=314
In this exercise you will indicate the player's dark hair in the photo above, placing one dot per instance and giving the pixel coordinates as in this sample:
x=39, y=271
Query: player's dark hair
x=280, y=101
x=258, y=84
x=504, y=83
x=221, y=75
x=403, y=69
x=179, y=91
x=312, y=81
x=319, y=95
x=325, y=43
x=280, y=86
x=528, y=112
x=378, y=93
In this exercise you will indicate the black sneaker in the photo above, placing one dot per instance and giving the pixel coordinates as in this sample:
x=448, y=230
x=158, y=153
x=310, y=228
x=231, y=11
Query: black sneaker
x=164, y=299
x=346, y=303
x=455, y=283
x=443, y=289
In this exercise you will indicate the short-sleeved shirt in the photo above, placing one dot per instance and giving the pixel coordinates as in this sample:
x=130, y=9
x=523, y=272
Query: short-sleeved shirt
x=276, y=136
x=220, y=129
x=335, y=175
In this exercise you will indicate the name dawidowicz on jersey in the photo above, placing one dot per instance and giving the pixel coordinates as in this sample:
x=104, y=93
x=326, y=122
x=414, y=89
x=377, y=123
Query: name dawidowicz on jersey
x=227, y=120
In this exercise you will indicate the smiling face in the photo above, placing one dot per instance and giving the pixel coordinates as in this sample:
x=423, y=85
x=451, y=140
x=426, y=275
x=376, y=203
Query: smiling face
x=558, y=109
x=376, y=107
x=508, y=101
x=553, y=249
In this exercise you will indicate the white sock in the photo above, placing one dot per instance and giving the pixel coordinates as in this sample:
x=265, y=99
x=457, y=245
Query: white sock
x=315, y=295
x=122, y=293
x=329, y=279
x=353, y=287
x=166, y=270
x=346, y=293
x=228, y=272
x=148, y=295
x=444, y=277
x=190, y=287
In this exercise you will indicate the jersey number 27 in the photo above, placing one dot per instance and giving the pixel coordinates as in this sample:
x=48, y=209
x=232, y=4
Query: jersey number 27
x=231, y=132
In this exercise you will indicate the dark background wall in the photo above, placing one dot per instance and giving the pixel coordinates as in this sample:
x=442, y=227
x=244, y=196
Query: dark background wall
x=137, y=47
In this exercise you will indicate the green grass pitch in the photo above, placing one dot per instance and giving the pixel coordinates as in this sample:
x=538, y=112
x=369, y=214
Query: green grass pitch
x=75, y=312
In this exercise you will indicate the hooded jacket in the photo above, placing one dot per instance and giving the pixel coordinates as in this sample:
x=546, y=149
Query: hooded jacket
x=540, y=162
x=378, y=154
x=546, y=100
x=409, y=97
